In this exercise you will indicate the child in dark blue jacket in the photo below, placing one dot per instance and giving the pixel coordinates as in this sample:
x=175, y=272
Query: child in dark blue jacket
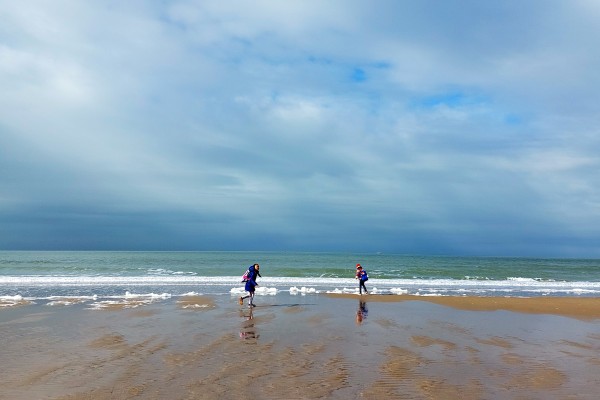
x=253, y=272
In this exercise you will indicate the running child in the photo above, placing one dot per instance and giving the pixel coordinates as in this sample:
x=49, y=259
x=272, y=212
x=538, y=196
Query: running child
x=251, y=284
x=362, y=277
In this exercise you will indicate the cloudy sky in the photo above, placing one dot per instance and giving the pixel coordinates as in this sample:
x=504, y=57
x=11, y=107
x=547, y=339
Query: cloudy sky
x=427, y=127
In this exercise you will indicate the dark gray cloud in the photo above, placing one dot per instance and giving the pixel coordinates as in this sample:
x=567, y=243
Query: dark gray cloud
x=463, y=127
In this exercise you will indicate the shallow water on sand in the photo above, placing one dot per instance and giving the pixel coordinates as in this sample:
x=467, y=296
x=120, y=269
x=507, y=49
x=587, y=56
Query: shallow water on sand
x=297, y=347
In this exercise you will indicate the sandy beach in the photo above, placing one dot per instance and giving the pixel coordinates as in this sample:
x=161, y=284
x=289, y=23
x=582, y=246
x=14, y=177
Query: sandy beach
x=304, y=347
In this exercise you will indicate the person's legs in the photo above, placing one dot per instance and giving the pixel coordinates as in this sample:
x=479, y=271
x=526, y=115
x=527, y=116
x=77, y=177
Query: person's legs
x=361, y=287
x=244, y=297
x=251, y=302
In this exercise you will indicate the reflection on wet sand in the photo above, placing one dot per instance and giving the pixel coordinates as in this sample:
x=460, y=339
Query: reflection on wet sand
x=414, y=349
x=362, y=312
x=248, y=329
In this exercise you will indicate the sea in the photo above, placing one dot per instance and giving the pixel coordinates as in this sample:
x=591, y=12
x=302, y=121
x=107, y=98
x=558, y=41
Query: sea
x=104, y=278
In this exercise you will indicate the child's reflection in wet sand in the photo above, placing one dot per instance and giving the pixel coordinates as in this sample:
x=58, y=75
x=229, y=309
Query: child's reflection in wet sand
x=362, y=312
x=248, y=330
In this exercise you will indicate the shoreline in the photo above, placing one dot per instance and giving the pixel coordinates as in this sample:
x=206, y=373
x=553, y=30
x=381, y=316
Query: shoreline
x=586, y=308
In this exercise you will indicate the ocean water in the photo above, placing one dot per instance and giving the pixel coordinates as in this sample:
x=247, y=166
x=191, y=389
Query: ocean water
x=103, y=278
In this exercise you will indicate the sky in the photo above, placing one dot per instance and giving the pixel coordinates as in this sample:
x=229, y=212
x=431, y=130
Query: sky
x=414, y=127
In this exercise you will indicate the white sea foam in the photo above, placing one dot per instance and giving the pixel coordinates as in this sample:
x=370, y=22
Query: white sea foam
x=10, y=301
x=190, y=294
x=346, y=290
x=64, y=302
x=261, y=291
x=343, y=290
x=163, y=287
x=271, y=291
x=17, y=297
x=196, y=306
x=303, y=290
x=518, y=279
x=150, y=296
x=111, y=281
x=128, y=300
x=236, y=291
x=69, y=300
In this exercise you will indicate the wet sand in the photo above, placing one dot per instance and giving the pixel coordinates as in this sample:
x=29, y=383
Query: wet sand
x=576, y=307
x=304, y=347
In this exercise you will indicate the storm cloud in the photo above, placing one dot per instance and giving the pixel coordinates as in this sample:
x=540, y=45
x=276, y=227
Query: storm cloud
x=459, y=127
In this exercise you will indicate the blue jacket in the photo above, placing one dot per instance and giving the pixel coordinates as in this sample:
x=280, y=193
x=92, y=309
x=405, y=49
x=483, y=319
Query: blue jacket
x=251, y=283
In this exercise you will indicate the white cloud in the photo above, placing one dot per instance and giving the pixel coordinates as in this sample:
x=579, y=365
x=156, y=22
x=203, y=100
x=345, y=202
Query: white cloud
x=400, y=123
